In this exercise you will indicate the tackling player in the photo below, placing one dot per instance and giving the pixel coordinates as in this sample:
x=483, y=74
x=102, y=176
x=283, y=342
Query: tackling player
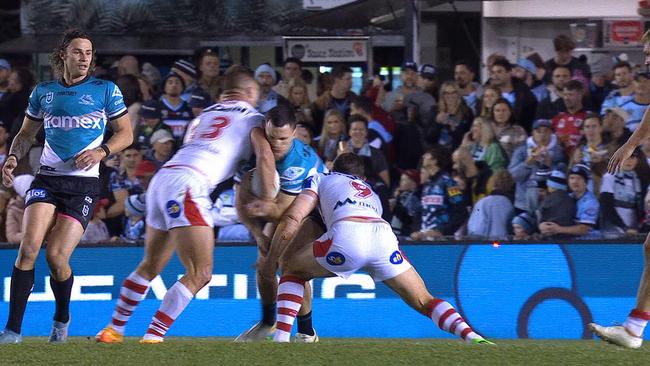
x=294, y=162
x=178, y=205
x=630, y=334
x=356, y=238
x=74, y=111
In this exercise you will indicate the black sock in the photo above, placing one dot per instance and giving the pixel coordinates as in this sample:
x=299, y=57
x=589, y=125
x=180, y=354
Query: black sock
x=21, y=286
x=304, y=324
x=268, y=314
x=62, y=290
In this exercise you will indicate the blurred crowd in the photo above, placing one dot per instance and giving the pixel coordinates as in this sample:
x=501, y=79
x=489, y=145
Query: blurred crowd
x=521, y=155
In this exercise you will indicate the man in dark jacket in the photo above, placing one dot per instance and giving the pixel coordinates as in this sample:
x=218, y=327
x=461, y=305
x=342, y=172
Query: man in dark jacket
x=516, y=92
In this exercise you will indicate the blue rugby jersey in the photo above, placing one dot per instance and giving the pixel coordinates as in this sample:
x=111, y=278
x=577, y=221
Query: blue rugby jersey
x=74, y=118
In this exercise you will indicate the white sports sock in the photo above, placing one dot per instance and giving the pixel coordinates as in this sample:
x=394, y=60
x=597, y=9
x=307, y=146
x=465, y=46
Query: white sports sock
x=290, y=293
x=173, y=304
x=447, y=319
x=134, y=289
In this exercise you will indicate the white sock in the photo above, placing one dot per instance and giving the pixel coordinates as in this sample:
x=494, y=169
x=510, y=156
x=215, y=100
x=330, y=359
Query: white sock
x=134, y=289
x=290, y=292
x=173, y=304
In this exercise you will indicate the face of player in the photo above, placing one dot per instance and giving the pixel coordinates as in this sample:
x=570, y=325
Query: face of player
x=409, y=78
x=560, y=77
x=303, y=135
x=623, y=77
x=291, y=71
x=266, y=80
x=131, y=158
x=463, y=76
x=280, y=139
x=334, y=126
x=358, y=133
x=344, y=83
x=297, y=95
x=642, y=85
x=577, y=184
x=500, y=76
x=77, y=58
x=572, y=98
x=591, y=128
x=173, y=87
x=501, y=113
x=210, y=66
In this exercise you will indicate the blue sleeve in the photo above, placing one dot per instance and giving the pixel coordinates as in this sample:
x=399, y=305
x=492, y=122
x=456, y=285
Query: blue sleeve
x=115, y=182
x=588, y=211
x=518, y=168
x=115, y=107
x=34, y=111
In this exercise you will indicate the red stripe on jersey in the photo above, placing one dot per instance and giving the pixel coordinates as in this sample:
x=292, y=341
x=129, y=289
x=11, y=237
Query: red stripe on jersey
x=454, y=325
x=164, y=318
x=129, y=301
x=322, y=247
x=283, y=327
x=645, y=315
x=287, y=311
x=192, y=212
x=294, y=279
x=141, y=289
x=444, y=317
x=432, y=305
x=290, y=297
x=155, y=332
x=465, y=332
x=119, y=323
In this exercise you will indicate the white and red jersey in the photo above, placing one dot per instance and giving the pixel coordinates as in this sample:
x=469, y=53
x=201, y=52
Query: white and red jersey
x=218, y=141
x=342, y=196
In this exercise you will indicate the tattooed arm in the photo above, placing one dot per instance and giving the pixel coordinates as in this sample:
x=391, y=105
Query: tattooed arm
x=19, y=148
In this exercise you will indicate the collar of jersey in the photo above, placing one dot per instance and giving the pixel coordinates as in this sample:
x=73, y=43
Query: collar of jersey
x=62, y=81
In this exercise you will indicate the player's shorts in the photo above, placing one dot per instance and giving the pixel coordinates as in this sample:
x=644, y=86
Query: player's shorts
x=178, y=197
x=73, y=197
x=350, y=246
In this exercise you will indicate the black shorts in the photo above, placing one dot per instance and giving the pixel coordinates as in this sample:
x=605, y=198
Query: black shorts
x=72, y=196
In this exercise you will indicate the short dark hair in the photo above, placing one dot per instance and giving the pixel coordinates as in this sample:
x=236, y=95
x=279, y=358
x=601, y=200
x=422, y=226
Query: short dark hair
x=560, y=67
x=364, y=103
x=133, y=146
x=55, y=57
x=340, y=71
x=349, y=163
x=563, y=43
x=465, y=63
x=357, y=118
x=503, y=63
x=440, y=155
x=622, y=64
x=236, y=76
x=574, y=85
x=292, y=60
x=281, y=115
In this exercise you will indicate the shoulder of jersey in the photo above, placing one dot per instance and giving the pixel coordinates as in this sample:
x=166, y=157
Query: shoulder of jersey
x=45, y=84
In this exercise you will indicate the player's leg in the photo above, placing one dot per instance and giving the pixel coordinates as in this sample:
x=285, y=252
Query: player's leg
x=196, y=253
x=38, y=218
x=410, y=287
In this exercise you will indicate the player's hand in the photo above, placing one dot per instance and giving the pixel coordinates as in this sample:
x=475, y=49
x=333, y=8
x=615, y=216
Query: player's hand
x=8, y=171
x=622, y=154
x=89, y=158
x=259, y=208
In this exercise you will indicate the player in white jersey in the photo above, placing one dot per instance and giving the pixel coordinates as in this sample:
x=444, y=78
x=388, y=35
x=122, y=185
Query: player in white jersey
x=74, y=111
x=356, y=238
x=178, y=205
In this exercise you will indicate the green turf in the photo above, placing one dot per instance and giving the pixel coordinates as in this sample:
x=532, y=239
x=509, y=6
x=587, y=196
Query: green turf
x=331, y=352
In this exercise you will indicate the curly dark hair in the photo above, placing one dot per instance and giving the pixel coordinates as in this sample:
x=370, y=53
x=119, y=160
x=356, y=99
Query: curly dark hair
x=55, y=57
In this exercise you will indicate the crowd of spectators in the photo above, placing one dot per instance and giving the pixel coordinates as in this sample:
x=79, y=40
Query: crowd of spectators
x=520, y=155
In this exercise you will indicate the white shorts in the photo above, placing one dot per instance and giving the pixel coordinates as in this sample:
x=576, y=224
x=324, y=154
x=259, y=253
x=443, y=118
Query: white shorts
x=350, y=246
x=178, y=197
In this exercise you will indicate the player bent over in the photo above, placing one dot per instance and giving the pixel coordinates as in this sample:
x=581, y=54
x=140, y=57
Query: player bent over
x=356, y=238
x=178, y=205
x=630, y=334
x=294, y=162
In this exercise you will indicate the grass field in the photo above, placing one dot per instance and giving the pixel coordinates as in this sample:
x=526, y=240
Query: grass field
x=331, y=352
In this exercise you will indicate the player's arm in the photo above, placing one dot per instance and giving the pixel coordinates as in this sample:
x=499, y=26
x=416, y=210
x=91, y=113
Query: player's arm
x=288, y=228
x=264, y=162
x=270, y=210
x=19, y=148
x=641, y=133
x=122, y=138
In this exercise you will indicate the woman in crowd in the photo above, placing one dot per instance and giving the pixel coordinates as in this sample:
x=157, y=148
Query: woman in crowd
x=482, y=143
x=209, y=80
x=509, y=134
x=490, y=95
x=491, y=215
x=332, y=133
x=12, y=106
x=299, y=99
x=453, y=117
x=358, y=144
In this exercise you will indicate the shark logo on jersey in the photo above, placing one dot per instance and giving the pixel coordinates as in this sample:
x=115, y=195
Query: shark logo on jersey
x=293, y=173
x=49, y=97
x=86, y=99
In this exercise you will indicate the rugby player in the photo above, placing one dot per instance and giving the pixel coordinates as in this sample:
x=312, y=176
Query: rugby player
x=74, y=111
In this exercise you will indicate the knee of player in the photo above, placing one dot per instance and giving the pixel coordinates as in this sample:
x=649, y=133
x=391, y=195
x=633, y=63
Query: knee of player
x=646, y=248
x=149, y=270
x=28, y=254
x=56, y=259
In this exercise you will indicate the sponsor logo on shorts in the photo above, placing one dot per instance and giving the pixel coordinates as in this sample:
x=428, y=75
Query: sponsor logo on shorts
x=36, y=193
x=88, y=199
x=173, y=209
x=85, y=210
x=396, y=257
x=335, y=258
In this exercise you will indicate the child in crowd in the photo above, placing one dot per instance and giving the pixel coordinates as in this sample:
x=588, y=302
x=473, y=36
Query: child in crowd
x=96, y=231
x=523, y=227
x=134, y=208
x=405, y=204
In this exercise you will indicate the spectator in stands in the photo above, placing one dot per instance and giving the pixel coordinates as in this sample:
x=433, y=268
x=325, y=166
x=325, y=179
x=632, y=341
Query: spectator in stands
x=396, y=99
x=482, y=143
x=199, y=101
x=526, y=71
x=209, y=79
x=427, y=80
x=552, y=104
x=614, y=127
x=124, y=182
x=405, y=204
x=305, y=133
x=464, y=75
x=5, y=70
x=146, y=88
x=12, y=106
x=162, y=147
x=153, y=77
x=128, y=65
x=332, y=133
x=269, y=98
x=564, y=47
x=509, y=134
x=491, y=215
x=359, y=145
x=592, y=150
x=523, y=227
x=541, y=150
x=567, y=123
x=187, y=71
x=637, y=106
x=489, y=62
x=292, y=74
x=621, y=199
x=378, y=136
x=130, y=88
x=599, y=85
x=443, y=211
x=453, y=117
x=226, y=219
x=144, y=171
x=4, y=143
x=624, y=81
x=16, y=208
x=475, y=173
x=338, y=97
x=540, y=66
x=134, y=224
x=587, y=207
x=516, y=92
x=558, y=206
x=151, y=121
x=490, y=95
x=96, y=231
x=176, y=112
x=299, y=98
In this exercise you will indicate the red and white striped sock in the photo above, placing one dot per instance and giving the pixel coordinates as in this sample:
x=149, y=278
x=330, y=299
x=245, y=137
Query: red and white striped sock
x=636, y=322
x=290, y=292
x=134, y=289
x=447, y=319
x=173, y=304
